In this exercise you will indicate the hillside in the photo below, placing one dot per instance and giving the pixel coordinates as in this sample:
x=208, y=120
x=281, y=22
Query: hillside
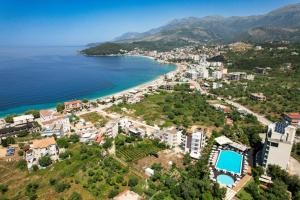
x=275, y=25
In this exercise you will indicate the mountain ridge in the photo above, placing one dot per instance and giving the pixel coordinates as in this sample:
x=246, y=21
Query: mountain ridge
x=277, y=24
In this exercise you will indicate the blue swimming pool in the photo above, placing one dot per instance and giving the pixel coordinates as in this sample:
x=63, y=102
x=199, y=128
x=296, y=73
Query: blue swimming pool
x=225, y=180
x=230, y=161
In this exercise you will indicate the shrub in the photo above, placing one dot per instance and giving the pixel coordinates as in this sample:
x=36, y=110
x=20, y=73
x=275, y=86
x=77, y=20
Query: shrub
x=113, y=193
x=35, y=168
x=21, y=164
x=52, y=181
x=20, y=152
x=60, y=187
x=45, y=161
x=133, y=181
x=75, y=196
x=3, y=188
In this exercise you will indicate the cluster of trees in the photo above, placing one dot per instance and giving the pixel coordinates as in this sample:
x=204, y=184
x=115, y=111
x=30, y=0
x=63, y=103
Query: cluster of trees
x=280, y=85
x=282, y=183
x=115, y=48
x=296, y=151
x=190, y=183
x=7, y=141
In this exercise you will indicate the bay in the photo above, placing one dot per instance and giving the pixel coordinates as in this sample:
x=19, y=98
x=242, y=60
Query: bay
x=40, y=77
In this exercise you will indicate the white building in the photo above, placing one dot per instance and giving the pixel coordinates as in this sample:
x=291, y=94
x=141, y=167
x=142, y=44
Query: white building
x=56, y=126
x=194, y=143
x=171, y=136
x=40, y=148
x=217, y=75
x=23, y=119
x=278, y=144
x=46, y=115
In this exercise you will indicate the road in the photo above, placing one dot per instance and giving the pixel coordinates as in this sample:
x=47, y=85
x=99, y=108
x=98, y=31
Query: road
x=259, y=117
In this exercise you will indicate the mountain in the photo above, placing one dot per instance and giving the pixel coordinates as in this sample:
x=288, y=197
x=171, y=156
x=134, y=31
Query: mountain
x=279, y=24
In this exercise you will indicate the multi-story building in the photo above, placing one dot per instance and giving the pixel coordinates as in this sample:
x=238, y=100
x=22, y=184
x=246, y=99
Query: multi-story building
x=40, y=148
x=56, y=126
x=278, y=144
x=171, y=136
x=70, y=105
x=194, y=142
x=217, y=75
x=23, y=119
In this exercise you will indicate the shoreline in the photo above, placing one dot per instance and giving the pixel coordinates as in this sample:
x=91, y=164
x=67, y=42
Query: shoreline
x=155, y=80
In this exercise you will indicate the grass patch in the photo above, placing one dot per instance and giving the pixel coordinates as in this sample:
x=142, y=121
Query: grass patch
x=95, y=118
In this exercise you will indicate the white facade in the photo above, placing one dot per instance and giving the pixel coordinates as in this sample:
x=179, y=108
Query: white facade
x=23, y=119
x=217, y=75
x=171, y=136
x=278, y=145
x=40, y=148
x=194, y=143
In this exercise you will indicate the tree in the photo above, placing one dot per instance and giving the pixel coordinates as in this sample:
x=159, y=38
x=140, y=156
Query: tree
x=35, y=168
x=74, y=138
x=75, y=196
x=45, y=161
x=9, y=118
x=35, y=113
x=21, y=153
x=187, y=159
x=21, y=164
x=113, y=193
x=10, y=140
x=108, y=143
x=133, y=181
x=60, y=187
x=60, y=107
x=85, y=101
x=4, y=143
x=31, y=189
x=62, y=143
x=3, y=188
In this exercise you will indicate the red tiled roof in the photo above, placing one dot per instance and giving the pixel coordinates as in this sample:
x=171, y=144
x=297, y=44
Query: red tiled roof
x=72, y=102
x=293, y=115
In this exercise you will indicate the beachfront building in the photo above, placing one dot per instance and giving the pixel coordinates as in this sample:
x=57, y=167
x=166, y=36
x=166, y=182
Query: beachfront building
x=23, y=119
x=292, y=119
x=71, y=105
x=47, y=115
x=40, y=148
x=193, y=143
x=59, y=126
x=278, y=144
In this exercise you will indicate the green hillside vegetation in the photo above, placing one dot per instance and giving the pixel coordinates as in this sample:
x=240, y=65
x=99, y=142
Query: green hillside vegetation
x=281, y=85
x=110, y=48
x=181, y=108
x=87, y=172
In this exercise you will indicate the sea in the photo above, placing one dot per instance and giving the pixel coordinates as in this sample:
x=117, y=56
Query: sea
x=39, y=77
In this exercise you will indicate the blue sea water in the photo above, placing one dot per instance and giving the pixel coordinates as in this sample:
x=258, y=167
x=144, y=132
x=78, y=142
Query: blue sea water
x=40, y=77
x=230, y=161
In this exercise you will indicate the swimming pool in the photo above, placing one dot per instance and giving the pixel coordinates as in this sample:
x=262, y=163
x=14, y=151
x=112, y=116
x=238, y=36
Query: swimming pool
x=225, y=180
x=230, y=161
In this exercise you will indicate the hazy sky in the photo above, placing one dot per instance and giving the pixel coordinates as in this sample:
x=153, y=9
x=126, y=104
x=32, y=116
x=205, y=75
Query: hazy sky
x=77, y=22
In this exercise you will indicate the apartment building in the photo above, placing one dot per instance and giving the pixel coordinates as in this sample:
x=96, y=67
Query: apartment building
x=40, y=148
x=171, y=136
x=278, y=144
x=193, y=143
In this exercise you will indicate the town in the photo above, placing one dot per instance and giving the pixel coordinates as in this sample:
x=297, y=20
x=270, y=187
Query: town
x=147, y=136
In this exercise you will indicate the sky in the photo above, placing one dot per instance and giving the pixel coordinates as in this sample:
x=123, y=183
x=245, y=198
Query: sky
x=79, y=22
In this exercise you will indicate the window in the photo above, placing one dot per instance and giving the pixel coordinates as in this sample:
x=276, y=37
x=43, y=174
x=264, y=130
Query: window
x=273, y=144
